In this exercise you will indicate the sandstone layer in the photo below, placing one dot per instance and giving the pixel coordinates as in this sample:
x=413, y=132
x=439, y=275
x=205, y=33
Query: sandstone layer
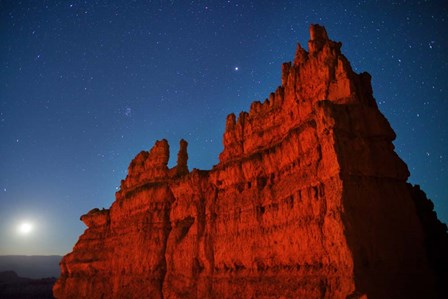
x=309, y=200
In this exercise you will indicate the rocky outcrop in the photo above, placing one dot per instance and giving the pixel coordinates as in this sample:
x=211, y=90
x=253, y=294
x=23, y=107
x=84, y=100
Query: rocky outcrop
x=309, y=200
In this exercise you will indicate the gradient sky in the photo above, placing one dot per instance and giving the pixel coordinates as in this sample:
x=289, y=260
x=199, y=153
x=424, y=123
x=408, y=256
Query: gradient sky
x=86, y=85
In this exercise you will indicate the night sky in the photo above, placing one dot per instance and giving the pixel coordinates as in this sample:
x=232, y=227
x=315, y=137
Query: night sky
x=86, y=85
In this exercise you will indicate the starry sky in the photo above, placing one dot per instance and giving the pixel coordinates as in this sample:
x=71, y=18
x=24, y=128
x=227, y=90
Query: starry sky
x=86, y=85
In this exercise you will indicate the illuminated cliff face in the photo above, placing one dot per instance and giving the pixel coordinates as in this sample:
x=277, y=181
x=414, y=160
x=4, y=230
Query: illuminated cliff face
x=309, y=200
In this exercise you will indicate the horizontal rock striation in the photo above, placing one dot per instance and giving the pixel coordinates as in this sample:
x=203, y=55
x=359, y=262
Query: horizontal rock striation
x=309, y=200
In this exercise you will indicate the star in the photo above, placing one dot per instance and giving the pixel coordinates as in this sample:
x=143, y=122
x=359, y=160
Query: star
x=236, y=69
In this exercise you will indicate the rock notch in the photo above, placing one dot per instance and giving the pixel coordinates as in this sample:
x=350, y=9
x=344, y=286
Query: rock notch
x=309, y=200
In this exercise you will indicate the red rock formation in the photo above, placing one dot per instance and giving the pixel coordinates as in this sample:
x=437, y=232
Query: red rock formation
x=309, y=200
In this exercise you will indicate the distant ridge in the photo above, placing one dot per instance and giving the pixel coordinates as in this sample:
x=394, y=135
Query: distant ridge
x=31, y=266
x=13, y=286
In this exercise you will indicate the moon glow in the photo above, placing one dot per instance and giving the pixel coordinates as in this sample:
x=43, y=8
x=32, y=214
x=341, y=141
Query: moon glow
x=25, y=228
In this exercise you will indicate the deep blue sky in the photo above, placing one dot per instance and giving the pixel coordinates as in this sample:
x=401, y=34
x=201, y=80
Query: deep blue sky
x=86, y=85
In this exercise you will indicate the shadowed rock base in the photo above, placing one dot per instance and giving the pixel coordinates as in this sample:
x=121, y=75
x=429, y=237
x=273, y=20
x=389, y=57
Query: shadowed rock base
x=309, y=200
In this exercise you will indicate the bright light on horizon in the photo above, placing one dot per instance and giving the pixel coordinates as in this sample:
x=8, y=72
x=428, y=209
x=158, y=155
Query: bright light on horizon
x=25, y=228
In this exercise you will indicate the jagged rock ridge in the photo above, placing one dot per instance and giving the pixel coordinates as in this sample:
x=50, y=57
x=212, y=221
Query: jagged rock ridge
x=309, y=200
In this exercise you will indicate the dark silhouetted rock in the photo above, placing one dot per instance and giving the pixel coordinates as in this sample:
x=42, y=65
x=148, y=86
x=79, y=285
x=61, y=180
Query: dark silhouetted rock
x=31, y=266
x=14, y=287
